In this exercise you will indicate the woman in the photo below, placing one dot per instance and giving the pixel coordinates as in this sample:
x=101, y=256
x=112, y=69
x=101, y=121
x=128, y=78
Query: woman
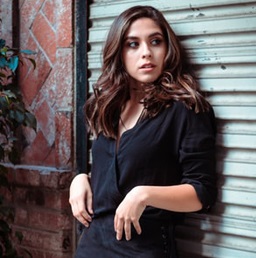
x=153, y=148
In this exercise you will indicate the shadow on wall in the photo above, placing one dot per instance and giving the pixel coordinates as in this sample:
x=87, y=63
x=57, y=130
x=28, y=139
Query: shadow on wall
x=198, y=235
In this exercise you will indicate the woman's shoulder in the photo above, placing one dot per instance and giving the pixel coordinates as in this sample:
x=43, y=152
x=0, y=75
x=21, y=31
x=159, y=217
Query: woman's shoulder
x=182, y=109
x=188, y=117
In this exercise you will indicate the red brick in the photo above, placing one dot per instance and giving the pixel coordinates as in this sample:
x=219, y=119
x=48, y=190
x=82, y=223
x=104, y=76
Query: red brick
x=50, y=159
x=42, y=240
x=58, y=200
x=63, y=143
x=21, y=216
x=55, y=200
x=11, y=175
x=33, y=82
x=46, y=254
x=56, y=180
x=48, y=90
x=37, y=152
x=57, y=255
x=49, y=11
x=45, y=121
x=34, y=253
x=64, y=73
x=8, y=195
x=65, y=179
x=43, y=213
x=29, y=11
x=27, y=67
x=20, y=196
x=45, y=36
x=50, y=180
x=27, y=177
x=30, y=197
x=64, y=24
x=49, y=221
x=29, y=134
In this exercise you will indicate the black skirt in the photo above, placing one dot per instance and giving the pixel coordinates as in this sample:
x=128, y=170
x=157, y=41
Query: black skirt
x=99, y=240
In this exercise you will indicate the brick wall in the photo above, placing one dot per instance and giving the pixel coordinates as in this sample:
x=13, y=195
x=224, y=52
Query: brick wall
x=41, y=181
x=46, y=27
x=42, y=211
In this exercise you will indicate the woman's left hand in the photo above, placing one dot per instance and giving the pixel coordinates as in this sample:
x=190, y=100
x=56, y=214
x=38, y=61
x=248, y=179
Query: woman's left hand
x=129, y=212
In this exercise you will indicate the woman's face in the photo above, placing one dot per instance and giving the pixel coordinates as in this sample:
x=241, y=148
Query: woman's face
x=144, y=51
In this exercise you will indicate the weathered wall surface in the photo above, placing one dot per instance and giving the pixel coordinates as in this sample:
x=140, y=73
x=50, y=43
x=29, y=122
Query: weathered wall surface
x=41, y=181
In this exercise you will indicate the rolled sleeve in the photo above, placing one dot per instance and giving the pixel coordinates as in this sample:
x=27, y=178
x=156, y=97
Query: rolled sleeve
x=197, y=156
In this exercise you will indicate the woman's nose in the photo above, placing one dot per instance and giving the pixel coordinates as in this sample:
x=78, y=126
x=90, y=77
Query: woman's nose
x=146, y=52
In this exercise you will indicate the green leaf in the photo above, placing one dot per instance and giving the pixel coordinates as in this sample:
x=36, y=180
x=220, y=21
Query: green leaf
x=13, y=63
x=3, y=62
x=4, y=51
x=28, y=52
x=4, y=103
x=2, y=42
x=30, y=120
x=33, y=62
x=17, y=115
x=9, y=94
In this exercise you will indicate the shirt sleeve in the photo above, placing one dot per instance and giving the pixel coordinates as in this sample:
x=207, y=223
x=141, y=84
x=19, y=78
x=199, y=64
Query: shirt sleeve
x=197, y=156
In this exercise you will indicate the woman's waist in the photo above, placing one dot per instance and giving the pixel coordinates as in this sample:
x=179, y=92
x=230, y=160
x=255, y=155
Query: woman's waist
x=153, y=230
x=146, y=220
x=150, y=215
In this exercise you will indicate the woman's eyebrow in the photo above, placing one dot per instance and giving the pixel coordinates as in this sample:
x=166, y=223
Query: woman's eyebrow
x=131, y=37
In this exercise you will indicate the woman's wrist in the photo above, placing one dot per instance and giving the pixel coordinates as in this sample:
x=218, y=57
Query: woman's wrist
x=142, y=194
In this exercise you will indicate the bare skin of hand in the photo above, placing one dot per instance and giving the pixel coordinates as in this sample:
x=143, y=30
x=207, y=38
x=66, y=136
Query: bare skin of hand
x=80, y=199
x=179, y=198
x=128, y=214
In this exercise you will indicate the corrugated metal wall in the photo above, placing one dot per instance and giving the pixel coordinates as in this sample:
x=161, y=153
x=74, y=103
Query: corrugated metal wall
x=220, y=37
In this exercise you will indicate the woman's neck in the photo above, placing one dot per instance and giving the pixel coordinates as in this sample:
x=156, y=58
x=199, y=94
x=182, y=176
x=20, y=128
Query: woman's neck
x=136, y=95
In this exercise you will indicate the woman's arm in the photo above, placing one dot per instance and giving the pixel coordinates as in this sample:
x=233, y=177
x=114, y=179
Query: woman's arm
x=80, y=199
x=178, y=198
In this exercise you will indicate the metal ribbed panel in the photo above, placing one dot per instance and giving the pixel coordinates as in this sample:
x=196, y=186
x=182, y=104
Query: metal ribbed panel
x=220, y=38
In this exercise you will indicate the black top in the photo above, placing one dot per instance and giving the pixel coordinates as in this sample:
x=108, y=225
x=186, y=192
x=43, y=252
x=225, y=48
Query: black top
x=175, y=147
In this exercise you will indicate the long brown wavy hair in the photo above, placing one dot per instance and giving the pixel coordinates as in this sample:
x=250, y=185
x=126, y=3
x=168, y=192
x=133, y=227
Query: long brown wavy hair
x=111, y=91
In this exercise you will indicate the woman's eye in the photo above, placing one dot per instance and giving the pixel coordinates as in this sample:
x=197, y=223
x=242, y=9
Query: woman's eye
x=133, y=44
x=156, y=42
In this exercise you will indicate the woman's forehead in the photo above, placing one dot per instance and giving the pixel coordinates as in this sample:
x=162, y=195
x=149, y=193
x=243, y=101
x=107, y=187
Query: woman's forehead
x=142, y=26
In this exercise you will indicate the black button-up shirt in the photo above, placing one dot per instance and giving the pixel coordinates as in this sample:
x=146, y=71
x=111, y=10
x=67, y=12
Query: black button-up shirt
x=175, y=147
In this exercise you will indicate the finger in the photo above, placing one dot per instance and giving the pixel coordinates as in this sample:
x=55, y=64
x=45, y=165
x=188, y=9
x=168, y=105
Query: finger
x=83, y=221
x=115, y=223
x=89, y=203
x=81, y=215
x=86, y=215
x=127, y=230
x=119, y=225
x=137, y=227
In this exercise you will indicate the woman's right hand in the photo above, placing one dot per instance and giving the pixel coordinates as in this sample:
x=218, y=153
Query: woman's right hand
x=80, y=199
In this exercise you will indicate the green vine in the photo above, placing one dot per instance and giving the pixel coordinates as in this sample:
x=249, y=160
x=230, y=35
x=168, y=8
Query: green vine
x=13, y=116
